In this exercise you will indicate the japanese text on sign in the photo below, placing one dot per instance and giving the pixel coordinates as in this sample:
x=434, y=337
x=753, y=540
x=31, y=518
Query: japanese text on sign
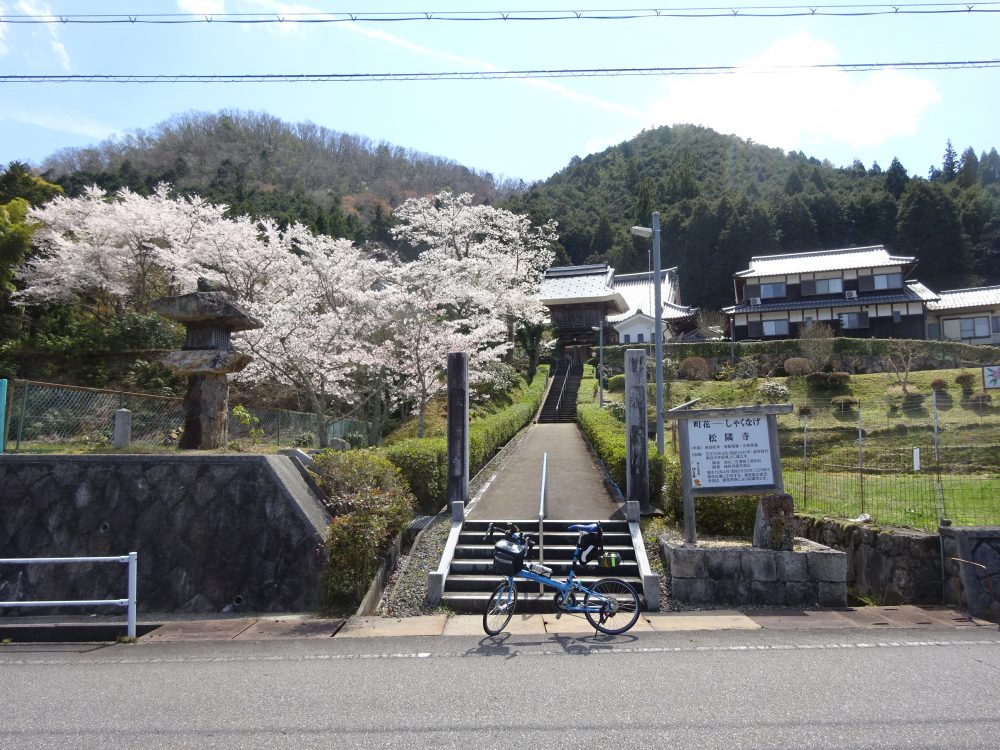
x=729, y=452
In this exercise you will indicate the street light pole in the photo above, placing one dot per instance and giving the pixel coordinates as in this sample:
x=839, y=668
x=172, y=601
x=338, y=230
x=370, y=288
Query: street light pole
x=646, y=233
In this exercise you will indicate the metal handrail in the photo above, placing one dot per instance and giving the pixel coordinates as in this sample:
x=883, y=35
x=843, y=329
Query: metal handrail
x=562, y=390
x=543, y=510
x=131, y=559
x=685, y=405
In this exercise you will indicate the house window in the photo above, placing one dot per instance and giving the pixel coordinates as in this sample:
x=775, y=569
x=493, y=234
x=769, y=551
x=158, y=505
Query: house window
x=775, y=327
x=996, y=324
x=773, y=290
x=888, y=280
x=933, y=330
x=628, y=339
x=853, y=320
x=640, y=337
x=967, y=328
x=829, y=286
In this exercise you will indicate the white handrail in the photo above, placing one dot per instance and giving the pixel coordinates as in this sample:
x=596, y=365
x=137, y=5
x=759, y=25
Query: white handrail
x=543, y=510
x=131, y=559
x=562, y=390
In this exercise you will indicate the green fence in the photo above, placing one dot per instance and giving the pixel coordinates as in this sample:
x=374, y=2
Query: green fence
x=42, y=417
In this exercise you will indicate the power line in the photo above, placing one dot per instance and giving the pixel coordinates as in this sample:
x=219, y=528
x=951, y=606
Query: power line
x=473, y=75
x=593, y=14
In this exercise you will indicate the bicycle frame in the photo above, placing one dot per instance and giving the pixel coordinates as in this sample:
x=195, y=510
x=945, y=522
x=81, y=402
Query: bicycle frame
x=565, y=588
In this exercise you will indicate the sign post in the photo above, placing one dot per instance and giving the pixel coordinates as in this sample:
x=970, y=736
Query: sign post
x=731, y=451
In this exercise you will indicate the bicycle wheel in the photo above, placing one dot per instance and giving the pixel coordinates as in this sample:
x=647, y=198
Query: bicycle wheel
x=618, y=602
x=500, y=607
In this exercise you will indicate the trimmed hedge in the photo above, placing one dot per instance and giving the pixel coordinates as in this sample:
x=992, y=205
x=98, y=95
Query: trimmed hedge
x=607, y=436
x=423, y=462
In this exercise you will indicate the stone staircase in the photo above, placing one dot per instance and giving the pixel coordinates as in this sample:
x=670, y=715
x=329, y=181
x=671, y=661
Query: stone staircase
x=471, y=579
x=560, y=405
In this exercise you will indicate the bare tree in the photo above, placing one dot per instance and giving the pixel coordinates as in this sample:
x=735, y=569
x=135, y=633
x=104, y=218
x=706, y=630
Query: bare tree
x=816, y=344
x=902, y=355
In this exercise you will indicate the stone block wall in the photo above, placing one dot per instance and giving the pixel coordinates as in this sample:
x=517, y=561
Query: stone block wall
x=975, y=583
x=213, y=533
x=887, y=565
x=811, y=575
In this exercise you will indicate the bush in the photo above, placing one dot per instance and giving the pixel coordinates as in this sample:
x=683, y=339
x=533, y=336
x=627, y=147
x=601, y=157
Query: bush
x=616, y=384
x=817, y=380
x=981, y=400
x=371, y=505
x=797, y=366
x=967, y=380
x=939, y=384
x=772, y=392
x=693, y=368
x=805, y=410
x=844, y=404
x=607, y=437
x=836, y=380
x=616, y=409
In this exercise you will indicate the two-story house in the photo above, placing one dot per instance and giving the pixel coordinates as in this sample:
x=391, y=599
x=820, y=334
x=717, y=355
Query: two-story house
x=858, y=291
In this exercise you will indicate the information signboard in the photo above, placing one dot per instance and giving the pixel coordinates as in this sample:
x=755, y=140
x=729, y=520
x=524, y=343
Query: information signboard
x=730, y=452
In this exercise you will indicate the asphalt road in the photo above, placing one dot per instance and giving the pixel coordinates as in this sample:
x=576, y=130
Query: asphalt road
x=841, y=688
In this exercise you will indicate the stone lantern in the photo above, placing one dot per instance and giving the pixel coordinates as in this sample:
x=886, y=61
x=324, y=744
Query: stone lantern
x=210, y=317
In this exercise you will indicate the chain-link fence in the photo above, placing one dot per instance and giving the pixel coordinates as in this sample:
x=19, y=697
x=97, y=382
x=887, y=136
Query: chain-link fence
x=910, y=465
x=41, y=417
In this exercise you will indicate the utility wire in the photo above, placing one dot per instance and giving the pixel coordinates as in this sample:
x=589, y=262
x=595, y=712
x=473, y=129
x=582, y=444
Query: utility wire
x=474, y=75
x=593, y=14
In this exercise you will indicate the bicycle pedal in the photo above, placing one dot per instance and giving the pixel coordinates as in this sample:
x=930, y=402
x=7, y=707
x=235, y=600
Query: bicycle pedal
x=558, y=615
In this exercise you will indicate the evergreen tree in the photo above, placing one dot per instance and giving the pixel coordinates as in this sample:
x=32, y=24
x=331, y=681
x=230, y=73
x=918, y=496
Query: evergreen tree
x=896, y=179
x=949, y=163
x=989, y=168
x=930, y=228
x=604, y=238
x=968, y=170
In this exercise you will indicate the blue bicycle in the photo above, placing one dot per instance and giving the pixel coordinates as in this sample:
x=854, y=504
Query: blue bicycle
x=611, y=605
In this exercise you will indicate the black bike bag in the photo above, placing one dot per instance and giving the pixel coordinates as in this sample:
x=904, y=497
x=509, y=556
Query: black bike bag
x=508, y=557
x=591, y=546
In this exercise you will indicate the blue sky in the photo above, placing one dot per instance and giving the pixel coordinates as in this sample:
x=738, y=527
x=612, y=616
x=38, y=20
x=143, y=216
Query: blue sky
x=517, y=128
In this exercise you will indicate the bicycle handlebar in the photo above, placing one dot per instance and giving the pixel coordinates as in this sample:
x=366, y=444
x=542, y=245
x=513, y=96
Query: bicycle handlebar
x=513, y=533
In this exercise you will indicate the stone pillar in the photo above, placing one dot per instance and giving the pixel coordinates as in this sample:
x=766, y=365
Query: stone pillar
x=123, y=429
x=773, y=526
x=458, y=431
x=206, y=412
x=636, y=429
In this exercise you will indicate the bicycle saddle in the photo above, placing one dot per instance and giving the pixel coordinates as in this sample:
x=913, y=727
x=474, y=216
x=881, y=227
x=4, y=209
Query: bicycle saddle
x=585, y=528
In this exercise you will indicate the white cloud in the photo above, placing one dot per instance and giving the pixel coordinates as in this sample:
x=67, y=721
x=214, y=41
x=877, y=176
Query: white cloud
x=201, y=7
x=33, y=8
x=795, y=108
x=59, y=120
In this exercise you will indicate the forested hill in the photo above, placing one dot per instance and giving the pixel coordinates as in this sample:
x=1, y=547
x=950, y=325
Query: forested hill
x=337, y=183
x=723, y=199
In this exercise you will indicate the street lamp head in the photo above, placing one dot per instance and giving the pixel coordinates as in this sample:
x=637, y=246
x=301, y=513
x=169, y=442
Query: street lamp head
x=644, y=232
x=595, y=328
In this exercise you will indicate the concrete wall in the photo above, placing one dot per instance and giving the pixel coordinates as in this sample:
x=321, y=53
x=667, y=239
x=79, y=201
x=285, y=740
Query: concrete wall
x=213, y=533
x=975, y=587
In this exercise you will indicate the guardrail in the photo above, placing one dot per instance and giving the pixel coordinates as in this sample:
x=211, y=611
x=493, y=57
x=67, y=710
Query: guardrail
x=131, y=559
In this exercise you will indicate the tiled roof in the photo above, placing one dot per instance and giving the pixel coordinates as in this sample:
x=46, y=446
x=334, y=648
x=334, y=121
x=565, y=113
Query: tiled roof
x=906, y=295
x=984, y=296
x=921, y=291
x=569, y=284
x=875, y=256
x=639, y=294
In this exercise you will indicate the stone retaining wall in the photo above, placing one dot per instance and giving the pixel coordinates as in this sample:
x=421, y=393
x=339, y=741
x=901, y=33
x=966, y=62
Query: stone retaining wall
x=213, y=533
x=887, y=565
x=811, y=575
x=975, y=583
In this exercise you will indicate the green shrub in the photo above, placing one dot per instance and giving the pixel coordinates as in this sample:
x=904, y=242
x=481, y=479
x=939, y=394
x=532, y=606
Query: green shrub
x=796, y=366
x=423, y=463
x=371, y=505
x=939, y=384
x=836, y=380
x=805, y=410
x=616, y=384
x=693, y=368
x=607, y=435
x=967, y=380
x=616, y=409
x=817, y=381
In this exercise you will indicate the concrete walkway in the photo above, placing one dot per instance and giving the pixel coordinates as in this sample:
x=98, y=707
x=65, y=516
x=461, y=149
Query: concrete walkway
x=576, y=484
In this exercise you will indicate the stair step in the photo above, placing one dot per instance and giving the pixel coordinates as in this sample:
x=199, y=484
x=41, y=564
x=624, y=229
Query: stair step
x=482, y=566
x=527, y=602
x=486, y=583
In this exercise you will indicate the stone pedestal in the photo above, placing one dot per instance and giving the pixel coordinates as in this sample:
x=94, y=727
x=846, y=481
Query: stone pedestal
x=206, y=412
